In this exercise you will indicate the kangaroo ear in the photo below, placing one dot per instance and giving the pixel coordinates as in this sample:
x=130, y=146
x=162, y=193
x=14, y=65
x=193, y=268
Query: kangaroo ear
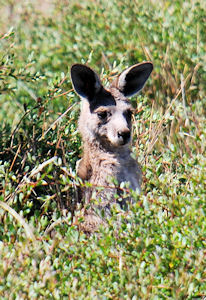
x=85, y=81
x=132, y=80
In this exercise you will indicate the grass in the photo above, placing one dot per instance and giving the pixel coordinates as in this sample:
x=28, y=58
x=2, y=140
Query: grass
x=159, y=251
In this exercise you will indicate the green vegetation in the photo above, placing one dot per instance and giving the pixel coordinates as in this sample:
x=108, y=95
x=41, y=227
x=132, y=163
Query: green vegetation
x=159, y=250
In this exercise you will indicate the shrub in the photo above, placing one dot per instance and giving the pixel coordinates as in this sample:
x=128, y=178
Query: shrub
x=158, y=252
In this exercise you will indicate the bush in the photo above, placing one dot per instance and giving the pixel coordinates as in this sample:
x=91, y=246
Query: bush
x=158, y=252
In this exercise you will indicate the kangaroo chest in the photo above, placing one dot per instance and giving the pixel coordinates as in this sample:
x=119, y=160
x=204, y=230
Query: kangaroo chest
x=120, y=168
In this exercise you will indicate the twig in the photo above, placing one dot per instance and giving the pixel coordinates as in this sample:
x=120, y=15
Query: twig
x=67, y=92
x=54, y=224
x=184, y=97
x=26, y=179
x=56, y=121
x=27, y=228
x=17, y=126
x=159, y=129
x=36, y=170
x=17, y=152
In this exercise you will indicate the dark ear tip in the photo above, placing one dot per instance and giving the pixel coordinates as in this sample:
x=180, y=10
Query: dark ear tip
x=76, y=67
x=149, y=65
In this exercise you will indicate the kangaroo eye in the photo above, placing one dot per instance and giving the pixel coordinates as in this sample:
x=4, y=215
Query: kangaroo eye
x=102, y=115
x=128, y=114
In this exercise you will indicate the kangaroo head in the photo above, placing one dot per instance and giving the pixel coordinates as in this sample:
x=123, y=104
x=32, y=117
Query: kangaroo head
x=106, y=113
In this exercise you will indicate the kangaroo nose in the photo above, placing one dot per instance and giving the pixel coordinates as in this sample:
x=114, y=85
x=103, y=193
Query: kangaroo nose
x=124, y=135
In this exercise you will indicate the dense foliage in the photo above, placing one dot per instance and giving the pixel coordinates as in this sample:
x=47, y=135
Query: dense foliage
x=159, y=250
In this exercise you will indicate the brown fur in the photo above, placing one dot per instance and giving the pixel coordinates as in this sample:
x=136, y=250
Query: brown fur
x=105, y=126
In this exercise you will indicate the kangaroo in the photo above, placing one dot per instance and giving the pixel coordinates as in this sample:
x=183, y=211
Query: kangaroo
x=105, y=126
